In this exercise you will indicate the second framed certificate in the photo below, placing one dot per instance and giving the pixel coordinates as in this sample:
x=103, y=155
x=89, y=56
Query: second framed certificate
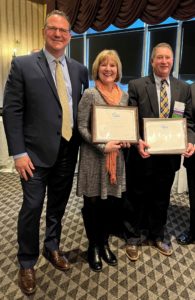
x=165, y=136
x=118, y=123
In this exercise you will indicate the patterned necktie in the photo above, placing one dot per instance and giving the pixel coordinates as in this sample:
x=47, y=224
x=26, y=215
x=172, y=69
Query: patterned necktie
x=63, y=96
x=164, y=104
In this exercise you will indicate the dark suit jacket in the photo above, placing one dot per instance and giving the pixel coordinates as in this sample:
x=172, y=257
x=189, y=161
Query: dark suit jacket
x=32, y=112
x=143, y=94
x=190, y=162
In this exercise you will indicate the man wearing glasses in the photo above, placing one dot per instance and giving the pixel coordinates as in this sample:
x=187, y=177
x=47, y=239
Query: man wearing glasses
x=40, y=112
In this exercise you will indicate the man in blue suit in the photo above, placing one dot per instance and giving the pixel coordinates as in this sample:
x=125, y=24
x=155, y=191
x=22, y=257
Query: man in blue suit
x=32, y=115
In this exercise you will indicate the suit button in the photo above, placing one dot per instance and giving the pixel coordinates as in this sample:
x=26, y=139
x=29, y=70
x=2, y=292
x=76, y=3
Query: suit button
x=58, y=133
x=59, y=116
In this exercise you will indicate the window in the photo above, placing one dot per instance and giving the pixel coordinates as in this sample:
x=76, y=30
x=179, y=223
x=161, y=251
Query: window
x=77, y=48
x=161, y=35
x=128, y=44
x=187, y=62
x=135, y=49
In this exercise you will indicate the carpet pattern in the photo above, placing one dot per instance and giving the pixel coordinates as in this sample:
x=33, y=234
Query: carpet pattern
x=152, y=277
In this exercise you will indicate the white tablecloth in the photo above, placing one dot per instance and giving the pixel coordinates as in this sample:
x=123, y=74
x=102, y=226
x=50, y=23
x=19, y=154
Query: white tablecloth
x=6, y=162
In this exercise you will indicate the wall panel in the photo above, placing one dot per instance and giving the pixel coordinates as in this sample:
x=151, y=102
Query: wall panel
x=21, y=22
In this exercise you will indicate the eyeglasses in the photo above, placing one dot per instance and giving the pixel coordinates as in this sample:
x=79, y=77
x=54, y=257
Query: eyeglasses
x=61, y=30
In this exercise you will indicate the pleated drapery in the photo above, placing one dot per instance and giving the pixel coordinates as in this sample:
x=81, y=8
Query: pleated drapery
x=99, y=14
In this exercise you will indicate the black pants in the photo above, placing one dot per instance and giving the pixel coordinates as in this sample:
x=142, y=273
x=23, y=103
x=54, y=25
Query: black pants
x=148, y=197
x=101, y=217
x=58, y=181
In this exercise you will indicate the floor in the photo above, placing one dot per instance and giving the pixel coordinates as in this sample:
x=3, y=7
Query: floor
x=152, y=277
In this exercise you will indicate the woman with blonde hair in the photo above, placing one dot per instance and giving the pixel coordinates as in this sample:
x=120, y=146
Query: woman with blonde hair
x=101, y=175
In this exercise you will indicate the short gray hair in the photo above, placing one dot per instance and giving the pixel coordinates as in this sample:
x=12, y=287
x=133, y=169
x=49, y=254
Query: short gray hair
x=160, y=45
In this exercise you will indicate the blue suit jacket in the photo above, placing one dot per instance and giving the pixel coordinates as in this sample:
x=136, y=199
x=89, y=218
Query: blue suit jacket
x=32, y=112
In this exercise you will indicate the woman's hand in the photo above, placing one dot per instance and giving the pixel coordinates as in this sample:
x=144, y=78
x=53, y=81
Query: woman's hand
x=112, y=146
x=125, y=144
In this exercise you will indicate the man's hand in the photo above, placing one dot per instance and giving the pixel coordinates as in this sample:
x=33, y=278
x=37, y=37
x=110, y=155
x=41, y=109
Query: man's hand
x=24, y=167
x=141, y=148
x=189, y=151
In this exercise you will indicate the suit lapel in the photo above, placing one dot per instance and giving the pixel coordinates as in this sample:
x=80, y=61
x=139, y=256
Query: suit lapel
x=152, y=95
x=174, y=94
x=72, y=73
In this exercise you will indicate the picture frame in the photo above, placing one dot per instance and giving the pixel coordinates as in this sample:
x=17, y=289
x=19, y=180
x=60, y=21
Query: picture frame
x=165, y=136
x=118, y=123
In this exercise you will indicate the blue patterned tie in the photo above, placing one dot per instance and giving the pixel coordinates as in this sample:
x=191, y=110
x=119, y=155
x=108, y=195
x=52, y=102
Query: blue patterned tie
x=164, y=104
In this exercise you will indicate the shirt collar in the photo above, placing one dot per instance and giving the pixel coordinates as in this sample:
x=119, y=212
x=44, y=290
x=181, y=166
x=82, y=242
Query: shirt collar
x=51, y=58
x=158, y=80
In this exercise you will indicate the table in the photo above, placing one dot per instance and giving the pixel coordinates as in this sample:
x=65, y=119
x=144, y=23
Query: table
x=6, y=162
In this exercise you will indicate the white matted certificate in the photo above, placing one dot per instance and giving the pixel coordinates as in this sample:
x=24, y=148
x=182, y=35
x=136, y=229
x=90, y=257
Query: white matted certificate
x=114, y=123
x=165, y=136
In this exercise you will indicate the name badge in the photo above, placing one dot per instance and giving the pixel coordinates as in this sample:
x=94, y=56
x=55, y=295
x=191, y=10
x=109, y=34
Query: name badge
x=178, y=110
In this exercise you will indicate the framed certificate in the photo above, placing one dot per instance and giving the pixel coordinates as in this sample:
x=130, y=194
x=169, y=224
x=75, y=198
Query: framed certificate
x=114, y=123
x=165, y=136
